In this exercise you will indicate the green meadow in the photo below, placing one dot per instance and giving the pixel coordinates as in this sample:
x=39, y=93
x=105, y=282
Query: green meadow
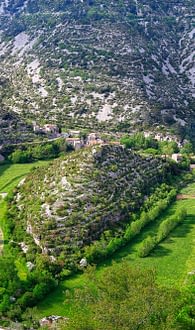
x=12, y=174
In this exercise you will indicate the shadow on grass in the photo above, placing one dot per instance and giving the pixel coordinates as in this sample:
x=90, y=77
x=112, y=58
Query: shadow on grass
x=62, y=296
x=160, y=251
x=129, y=250
x=184, y=228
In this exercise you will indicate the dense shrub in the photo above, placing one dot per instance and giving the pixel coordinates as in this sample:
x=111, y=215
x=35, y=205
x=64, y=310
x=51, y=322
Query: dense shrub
x=169, y=224
x=164, y=229
x=49, y=150
x=147, y=245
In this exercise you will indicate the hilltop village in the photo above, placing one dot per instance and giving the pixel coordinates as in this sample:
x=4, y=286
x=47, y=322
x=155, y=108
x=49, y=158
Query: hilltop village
x=50, y=140
x=80, y=138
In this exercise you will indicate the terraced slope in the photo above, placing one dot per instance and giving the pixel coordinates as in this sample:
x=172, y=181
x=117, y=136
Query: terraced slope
x=72, y=202
x=116, y=64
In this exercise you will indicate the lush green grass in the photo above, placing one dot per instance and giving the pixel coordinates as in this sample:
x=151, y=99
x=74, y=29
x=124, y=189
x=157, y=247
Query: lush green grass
x=190, y=189
x=12, y=174
x=172, y=259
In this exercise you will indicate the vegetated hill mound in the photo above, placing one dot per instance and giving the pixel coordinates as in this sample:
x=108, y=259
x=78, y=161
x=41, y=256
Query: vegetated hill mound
x=116, y=63
x=69, y=204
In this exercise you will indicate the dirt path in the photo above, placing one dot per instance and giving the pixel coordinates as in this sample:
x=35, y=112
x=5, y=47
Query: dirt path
x=185, y=196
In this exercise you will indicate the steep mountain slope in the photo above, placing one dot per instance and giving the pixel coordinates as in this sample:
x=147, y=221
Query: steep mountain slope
x=13, y=129
x=71, y=203
x=114, y=63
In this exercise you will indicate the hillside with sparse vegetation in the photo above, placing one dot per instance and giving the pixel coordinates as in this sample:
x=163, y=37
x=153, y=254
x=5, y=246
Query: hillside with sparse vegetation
x=122, y=64
x=70, y=204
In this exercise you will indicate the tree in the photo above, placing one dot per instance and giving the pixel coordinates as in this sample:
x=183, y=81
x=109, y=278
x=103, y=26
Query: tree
x=168, y=148
x=187, y=148
x=124, y=298
x=19, y=156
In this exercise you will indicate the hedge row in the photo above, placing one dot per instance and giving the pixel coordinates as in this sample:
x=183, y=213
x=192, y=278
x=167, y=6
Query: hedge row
x=101, y=249
x=164, y=229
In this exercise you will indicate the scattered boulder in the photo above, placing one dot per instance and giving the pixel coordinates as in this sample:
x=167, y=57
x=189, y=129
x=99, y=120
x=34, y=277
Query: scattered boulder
x=83, y=263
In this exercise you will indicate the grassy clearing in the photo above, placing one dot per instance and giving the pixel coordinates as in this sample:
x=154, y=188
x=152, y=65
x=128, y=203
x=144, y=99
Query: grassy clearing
x=172, y=259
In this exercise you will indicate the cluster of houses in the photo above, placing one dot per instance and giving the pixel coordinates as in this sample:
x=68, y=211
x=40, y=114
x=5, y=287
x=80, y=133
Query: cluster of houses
x=46, y=129
x=163, y=137
x=78, y=142
x=72, y=137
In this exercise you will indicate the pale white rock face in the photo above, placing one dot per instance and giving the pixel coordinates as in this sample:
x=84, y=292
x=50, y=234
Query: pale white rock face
x=24, y=247
x=136, y=108
x=18, y=197
x=33, y=70
x=30, y=265
x=192, y=33
x=3, y=194
x=21, y=182
x=65, y=183
x=167, y=68
x=83, y=262
x=179, y=120
x=148, y=79
x=98, y=95
x=2, y=8
x=74, y=99
x=43, y=91
x=60, y=83
x=3, y=5
x=19, y=42
x=170, y=67
x=105, y=113
x=46, y=209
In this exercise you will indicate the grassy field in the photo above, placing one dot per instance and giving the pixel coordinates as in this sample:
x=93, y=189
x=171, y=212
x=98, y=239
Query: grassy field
x=12, y=174
x=172, y=259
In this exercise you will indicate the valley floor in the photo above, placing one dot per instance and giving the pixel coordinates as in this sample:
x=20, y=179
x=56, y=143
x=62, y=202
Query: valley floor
x=173, y=259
